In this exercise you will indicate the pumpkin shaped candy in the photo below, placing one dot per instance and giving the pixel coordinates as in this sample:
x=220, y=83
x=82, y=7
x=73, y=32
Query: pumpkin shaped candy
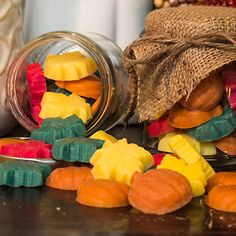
x=159, y=191
x=104, y=193
x=69, y=178
x=222, y=198
x=221, y=178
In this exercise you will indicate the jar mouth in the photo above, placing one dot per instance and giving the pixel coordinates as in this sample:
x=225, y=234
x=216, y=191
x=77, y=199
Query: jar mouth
x=57, y=43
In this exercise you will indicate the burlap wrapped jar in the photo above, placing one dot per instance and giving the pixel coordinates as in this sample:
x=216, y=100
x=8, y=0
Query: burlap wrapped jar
x=179, y=48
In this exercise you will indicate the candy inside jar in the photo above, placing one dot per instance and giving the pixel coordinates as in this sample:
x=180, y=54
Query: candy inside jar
x=206, y=118
x=64, y=73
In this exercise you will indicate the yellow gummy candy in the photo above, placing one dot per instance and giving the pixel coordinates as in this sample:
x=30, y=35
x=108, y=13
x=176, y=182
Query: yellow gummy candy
x=189, y=154
x=193, y=172
x=59, y=105
x=102, y=135
x=184, y=149
x=205, y=148
x=68, y=66
x=118, y=161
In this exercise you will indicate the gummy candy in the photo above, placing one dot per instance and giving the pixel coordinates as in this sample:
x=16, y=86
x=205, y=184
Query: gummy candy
x=31, y=149
x=183, y=118
x=118, y=161
x=90, y=86
x=215, y=128
x=36, y=88
x=23, y=173
x=102, y=135
x=158, y=157
x=193, y=172
x=103, y=193
x=69, y=178
x=59, y=105
x=75, y=149
x=36, y=83
x=56, y=128
x=68, y=66
x=160, y=126
x=189, y=154
x=229, y=80
x=4, y=141
x=205, y=148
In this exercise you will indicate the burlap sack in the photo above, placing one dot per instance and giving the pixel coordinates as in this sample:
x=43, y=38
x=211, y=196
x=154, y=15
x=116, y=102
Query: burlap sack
x=179, y=48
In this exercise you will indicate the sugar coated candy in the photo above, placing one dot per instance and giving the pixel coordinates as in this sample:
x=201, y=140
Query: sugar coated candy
x=75, y=149
x=56, y=128
x=69, y=66
x=23, y=173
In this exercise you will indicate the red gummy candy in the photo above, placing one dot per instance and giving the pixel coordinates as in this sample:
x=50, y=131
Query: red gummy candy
x=158, y=158
x=36, y=85
x=229, y=80
x=160, y=126
x=35, y=110
x=31, y=149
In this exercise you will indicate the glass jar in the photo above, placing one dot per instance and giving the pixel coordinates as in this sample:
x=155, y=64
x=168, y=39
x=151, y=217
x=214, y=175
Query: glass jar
x=106, y=54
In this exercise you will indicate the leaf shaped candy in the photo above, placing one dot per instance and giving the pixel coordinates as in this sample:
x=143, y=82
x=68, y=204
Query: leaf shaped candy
x=56, y=128
x=215, y=128
x=118, y=161
x=23, y=173
x=59, y=105
x=68, y=66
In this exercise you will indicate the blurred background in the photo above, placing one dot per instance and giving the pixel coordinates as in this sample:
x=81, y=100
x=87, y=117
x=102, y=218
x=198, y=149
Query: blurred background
x=120, y=20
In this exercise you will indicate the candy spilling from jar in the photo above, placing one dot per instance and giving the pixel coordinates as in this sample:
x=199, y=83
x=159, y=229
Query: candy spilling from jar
x=116, y=173
x=125, y=168
x=207, y=117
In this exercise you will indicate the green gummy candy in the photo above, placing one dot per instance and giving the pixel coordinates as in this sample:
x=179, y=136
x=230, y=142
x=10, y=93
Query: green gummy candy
x=75, y=149
x=57, y=128
x=55, y=89
x=23, y=173
x=215, y=128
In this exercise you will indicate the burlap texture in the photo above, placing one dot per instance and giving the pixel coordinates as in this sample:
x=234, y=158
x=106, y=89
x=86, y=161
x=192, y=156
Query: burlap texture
x=180, y=47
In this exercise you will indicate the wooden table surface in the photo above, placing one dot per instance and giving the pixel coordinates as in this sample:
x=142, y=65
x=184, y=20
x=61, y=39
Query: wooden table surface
x=44, y=211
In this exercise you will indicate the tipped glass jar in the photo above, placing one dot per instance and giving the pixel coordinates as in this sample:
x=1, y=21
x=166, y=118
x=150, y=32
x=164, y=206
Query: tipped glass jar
x=109, y=60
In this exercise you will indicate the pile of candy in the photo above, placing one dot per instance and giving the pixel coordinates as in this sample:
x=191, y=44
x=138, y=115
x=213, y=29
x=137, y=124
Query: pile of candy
x=67, y=85
x=206, y=118
x=104, y=171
